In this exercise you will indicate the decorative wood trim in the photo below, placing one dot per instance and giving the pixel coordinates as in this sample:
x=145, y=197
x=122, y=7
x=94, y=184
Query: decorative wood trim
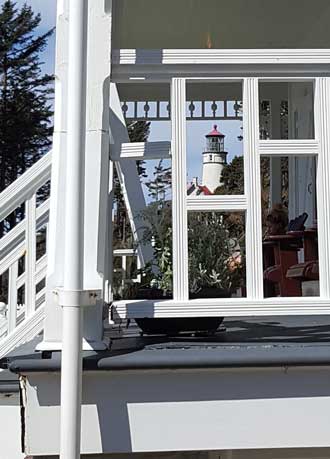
x=217, y=203
x=253, y=230
x=179, y=190
x=25, y=186
x=221, y=307
x=143, y=150
x=322, y=123
x=288, y=147
x=219, y=56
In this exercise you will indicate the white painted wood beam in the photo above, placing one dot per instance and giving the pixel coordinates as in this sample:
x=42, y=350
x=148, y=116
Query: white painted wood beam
x=24, y=332
x=12, y=297
x=41, y=269
x=141, y=151
x=128, y=177
x=96, y=171
x=219, y=56
x=25, y=186
x=223, y=307
x=17, y=234
x=12, y=256
x=253, y=229
x=179, y=190
x=288, y=147
x=30, y=256
x=225, y=203
x=124, y=252
x=322, y=118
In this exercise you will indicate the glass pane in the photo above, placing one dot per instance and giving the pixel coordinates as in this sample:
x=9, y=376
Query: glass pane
x=290, y=241
x=125, y=275
x=221, y=24
x=286, y=110
x=216, y=243
x=214, y=139
x=149, y=229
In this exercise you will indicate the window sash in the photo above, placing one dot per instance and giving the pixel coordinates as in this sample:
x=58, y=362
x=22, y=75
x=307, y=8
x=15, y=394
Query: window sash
x=250, y=202
x=254, y=303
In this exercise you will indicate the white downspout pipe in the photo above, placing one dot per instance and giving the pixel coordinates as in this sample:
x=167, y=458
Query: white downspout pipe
x=71, y=372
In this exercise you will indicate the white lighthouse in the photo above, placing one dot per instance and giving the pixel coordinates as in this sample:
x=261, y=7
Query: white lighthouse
x=214, y=159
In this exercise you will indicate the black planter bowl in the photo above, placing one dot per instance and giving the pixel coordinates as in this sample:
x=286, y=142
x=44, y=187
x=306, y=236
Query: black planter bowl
x=171, y=326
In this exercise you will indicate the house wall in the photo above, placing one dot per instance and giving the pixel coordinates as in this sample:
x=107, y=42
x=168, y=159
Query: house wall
x=10, y=427
x=155, y=411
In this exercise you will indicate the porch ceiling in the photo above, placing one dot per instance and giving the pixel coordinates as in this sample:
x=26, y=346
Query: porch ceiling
x=224, y=24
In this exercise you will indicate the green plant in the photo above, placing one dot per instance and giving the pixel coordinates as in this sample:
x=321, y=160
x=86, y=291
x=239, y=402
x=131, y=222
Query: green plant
x=215, y=256
x=158, y=232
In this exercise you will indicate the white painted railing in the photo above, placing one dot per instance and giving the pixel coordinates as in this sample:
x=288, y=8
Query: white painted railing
x=20, y=322
x=19, y=266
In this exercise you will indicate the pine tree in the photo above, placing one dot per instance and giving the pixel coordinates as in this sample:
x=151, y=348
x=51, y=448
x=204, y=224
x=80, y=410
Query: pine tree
x=25, y=92
x=161, y=183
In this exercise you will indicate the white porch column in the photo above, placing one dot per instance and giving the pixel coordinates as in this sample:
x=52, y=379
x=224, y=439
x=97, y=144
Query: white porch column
x=96, y=172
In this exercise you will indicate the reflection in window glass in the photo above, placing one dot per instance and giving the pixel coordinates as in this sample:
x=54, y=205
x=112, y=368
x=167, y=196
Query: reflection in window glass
x=150, y=229
x=286, y=110
x=214, y=114
x=290, y=236
x=216, y=243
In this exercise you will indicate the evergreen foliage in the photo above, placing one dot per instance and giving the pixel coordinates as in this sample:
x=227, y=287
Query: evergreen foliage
x=161, y=183
x=232, y=177
x=25, y=107
x=25, y=92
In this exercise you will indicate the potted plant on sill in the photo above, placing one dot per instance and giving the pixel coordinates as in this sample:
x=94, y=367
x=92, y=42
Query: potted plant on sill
x=215, y=262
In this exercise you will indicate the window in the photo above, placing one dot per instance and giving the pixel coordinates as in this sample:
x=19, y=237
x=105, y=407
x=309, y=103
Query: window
x=142, y=229
x=286, y=110
x=281, y=171
x=293, y=175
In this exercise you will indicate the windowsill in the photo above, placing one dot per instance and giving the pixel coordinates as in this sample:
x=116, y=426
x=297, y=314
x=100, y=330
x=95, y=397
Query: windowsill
x=221, y=307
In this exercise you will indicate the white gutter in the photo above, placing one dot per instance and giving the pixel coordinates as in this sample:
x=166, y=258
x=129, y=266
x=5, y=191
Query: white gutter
x=72, y=297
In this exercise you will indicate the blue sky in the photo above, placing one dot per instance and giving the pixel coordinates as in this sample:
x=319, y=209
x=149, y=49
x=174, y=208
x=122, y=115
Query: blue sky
x=196, y=130
x=47, y=9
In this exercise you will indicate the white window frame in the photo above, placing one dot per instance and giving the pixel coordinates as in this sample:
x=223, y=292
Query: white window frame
x=254, y=304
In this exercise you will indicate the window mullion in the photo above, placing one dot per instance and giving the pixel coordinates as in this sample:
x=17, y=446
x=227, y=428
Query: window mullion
x=179, y=191
x=254, y=269
x=322, y=123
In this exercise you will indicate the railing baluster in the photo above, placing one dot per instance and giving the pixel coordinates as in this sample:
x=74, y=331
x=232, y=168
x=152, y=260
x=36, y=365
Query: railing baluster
x=124, y=269
x=18, y=241
x=30, y=258
x=12, y=297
